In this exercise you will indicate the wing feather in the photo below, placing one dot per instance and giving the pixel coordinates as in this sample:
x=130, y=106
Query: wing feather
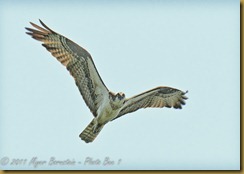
x=77, y=61
x=155, y=98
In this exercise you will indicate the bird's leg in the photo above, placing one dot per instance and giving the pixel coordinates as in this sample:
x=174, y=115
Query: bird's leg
x=94, y=127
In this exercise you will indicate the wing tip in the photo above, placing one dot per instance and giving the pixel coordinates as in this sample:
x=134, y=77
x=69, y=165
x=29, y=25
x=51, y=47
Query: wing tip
x=45, y=26
x=183, y=95
x=45, y=29
x=181, y=100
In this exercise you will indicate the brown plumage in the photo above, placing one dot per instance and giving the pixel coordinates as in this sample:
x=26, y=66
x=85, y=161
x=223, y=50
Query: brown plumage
x=105, y=105
x=77, y=61
x=158, y=97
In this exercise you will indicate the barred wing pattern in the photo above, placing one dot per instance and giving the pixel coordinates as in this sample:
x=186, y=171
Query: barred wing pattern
x=77, y=61
x=155, y=98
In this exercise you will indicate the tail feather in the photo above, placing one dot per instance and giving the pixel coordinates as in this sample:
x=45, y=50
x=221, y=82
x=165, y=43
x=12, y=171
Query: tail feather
x=89, y=133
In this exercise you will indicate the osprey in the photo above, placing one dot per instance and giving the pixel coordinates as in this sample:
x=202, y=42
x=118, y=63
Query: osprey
x=104, y=104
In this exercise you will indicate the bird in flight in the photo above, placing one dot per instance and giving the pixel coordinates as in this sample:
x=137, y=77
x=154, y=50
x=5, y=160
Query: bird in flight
x=104, y=104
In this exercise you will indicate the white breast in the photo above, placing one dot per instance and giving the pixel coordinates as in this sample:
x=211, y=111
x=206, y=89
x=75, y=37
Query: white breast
x=106, y=113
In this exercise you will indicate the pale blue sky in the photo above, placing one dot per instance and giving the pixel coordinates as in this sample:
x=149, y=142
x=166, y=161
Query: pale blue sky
x=189, y=45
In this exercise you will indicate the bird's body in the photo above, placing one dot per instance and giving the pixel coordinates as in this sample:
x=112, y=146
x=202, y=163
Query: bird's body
x=108, y=110
x=104, y=104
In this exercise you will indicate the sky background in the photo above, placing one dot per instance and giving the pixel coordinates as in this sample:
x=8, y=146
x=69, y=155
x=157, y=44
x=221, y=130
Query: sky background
x=136, y=46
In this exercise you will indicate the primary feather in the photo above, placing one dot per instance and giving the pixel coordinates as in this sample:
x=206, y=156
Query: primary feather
x=77, y=61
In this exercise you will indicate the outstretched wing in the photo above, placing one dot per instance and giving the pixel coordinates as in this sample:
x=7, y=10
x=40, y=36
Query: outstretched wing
x=77, y=61
x=155, y=98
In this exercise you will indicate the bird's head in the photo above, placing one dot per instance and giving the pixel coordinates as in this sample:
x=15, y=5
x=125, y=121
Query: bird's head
x=118, y=98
